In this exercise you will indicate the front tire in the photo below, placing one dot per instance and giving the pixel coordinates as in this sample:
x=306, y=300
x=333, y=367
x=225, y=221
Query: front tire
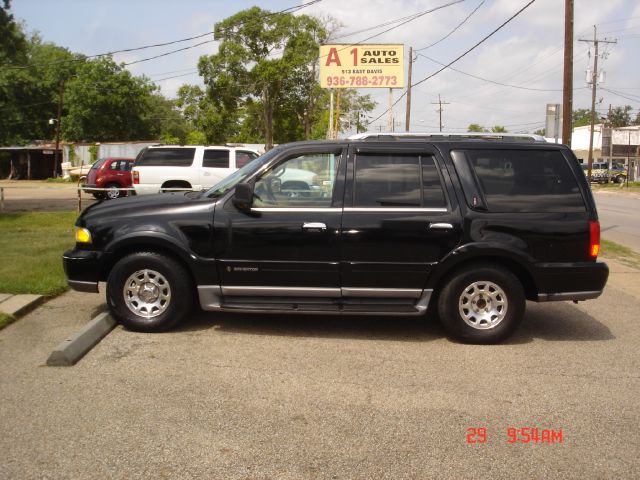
x=149, y=292
x=481, y=304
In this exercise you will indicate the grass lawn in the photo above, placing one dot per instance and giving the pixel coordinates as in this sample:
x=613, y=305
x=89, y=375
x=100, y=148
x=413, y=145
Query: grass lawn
x=5, y=320
x=32, y=245
x=632, y=187
x=620, y=253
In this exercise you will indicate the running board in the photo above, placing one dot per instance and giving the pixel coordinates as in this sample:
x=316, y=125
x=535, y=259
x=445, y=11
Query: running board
x=372, y=302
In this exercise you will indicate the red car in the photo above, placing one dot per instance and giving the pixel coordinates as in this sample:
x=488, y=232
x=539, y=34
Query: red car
x=112, y=173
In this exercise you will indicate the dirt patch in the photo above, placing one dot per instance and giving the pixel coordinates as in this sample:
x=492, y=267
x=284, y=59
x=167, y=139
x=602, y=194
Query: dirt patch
x=35, y=196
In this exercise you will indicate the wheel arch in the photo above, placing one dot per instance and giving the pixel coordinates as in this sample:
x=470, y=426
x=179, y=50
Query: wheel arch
x=513, y=262
x=147, y=243
x=176, y=184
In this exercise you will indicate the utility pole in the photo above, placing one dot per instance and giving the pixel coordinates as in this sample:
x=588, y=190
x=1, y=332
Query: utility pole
x=390, y=126
x=336, y=128
x=567, y=87
x=440, y=103
x=58, y=118
x=407, y=125
x=594, y=85
x=330, y=129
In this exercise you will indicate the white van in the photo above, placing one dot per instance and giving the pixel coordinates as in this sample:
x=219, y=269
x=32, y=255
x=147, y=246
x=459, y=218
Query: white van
x=193, y=167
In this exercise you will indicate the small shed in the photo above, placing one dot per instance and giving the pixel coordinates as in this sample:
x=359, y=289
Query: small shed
x=36, y=161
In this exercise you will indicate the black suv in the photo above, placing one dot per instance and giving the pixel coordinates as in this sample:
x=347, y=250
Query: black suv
x=469, y=229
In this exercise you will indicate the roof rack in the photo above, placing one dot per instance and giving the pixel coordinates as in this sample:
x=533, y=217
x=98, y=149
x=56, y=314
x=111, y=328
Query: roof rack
x=512, y=137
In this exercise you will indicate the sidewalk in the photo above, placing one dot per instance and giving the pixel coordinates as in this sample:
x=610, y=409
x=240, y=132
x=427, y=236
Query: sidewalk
x=18, y=305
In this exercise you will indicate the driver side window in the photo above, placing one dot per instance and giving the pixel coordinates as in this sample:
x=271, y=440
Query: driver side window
x=305, y=180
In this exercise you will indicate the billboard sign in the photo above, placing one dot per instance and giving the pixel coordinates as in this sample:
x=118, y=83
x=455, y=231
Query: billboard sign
x=362, y=66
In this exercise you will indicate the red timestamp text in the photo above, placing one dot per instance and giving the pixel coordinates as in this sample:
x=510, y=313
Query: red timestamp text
x=362, y=80
x=518, y=435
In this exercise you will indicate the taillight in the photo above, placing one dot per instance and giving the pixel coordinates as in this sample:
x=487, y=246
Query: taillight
x=135, y=175
x=594, y=238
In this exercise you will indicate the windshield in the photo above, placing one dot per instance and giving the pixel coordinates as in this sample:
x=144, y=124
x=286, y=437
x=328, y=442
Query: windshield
x=227, y=183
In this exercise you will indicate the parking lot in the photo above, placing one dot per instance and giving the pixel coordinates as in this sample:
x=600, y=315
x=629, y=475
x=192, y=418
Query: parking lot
x=256, y=397
x=259, y=397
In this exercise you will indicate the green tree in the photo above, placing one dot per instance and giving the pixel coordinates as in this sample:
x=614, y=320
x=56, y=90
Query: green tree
x=13, y=44
x=29, y=94
x=619, y=116
x=498, y=129
x=581, y=117
x=476, y=127
x=541, y=132
x=106, y=103
x=165, y=121
x=267, y=58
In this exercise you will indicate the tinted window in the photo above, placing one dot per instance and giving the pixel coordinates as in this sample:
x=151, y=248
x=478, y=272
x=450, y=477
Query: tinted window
x=167, y=157
x=242, y=158
x=431, y=184
x=216, y=159
x=113, y=165
x=98, y=163
x=305, y=180
x=397, y=181
x=526, y=180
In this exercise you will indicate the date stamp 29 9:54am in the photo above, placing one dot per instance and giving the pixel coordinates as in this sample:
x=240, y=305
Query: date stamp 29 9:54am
x=479, y=435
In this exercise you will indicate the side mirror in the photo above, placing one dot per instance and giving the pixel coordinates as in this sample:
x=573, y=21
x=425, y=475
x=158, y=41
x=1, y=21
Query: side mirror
x=243, y=197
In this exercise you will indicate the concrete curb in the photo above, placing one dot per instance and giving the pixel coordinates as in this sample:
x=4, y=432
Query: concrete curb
x=75, y=347
x=19, y=305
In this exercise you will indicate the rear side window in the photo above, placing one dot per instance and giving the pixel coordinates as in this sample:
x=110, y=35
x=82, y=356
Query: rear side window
x=98, y=163
x=397, y=180
x=216, y=159
x=166, y=157
x=243, y=157
x=518, y=181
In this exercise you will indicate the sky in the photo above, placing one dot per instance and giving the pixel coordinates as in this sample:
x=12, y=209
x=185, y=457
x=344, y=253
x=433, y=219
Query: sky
x=526, y=55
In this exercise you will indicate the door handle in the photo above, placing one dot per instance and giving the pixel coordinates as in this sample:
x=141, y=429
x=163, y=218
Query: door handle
x=440, y=226
x=319, y=226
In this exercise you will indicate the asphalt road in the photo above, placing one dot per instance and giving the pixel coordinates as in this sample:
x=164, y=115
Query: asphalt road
x=620, y=218
x=297, y=397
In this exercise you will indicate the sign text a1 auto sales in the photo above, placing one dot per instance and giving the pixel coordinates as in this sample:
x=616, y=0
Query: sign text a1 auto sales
x=362, y=66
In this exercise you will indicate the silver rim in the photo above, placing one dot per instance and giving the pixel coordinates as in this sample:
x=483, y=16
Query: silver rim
x=113, y=192
x=147, y=293
x=483, y=305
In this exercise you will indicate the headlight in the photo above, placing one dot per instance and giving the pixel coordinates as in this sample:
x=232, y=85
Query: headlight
x=83, y=235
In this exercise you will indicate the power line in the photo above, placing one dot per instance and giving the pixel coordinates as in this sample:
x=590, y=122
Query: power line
x=410, y=19
x=126, y=50
x=167, y=53
x=637, y=99
x=492, y=81
x=462, y=55
x=454, y=30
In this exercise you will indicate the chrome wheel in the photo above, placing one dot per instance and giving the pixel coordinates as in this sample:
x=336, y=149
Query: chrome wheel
x=147, y=293
x=483, y=305
x=113, y=192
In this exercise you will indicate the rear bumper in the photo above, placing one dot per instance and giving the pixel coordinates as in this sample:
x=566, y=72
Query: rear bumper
x=83, y=268
x=146, y=189
x=571, y=281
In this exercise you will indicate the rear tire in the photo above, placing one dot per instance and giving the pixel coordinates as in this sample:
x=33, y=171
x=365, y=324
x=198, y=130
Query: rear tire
x=113, y=192
x=149, y=292
x=481, y=304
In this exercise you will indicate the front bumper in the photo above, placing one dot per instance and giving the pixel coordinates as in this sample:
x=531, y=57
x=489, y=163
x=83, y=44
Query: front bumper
x=571, y=281
x=83, y=269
